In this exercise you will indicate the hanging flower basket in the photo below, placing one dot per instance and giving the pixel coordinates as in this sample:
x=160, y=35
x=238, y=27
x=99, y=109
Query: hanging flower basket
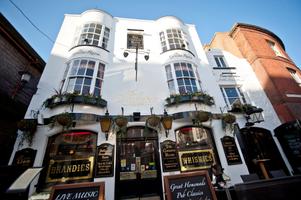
x=228, y=118
x=64, y=119
x=121, y=121
x=153, y=121
x=27, y=125
x=202, y=116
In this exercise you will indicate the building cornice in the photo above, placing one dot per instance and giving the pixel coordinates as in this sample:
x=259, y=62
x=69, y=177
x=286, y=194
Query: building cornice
x=256, y=28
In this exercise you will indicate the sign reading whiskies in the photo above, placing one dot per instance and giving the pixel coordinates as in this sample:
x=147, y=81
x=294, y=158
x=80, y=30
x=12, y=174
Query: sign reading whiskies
x=104, y=161
x=231, y=151
x=170, y=159
x=189, y=186
x=79, y=191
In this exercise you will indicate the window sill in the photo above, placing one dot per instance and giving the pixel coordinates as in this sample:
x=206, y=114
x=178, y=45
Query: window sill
x=70, y=99
x=178, y=49
x=189, y=98
x=224, y=68
x=89, y=46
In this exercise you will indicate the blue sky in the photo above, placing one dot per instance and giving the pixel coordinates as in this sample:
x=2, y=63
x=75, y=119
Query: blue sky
x=282, y=17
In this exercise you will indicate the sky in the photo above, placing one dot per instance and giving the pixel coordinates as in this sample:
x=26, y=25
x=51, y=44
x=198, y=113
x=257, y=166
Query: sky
x=282, y=17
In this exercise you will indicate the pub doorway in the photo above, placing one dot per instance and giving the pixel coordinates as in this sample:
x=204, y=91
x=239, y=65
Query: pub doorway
x=257, y=144
x=138, y=173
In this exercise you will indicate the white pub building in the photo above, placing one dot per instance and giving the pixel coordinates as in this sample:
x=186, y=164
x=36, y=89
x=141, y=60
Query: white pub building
x=128, y=101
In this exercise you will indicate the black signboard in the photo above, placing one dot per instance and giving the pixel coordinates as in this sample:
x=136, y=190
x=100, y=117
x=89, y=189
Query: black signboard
x=135, y=40
x=104, y=165
x=80, y=191
x=189, y=186
x=170, y=159
x=231, y=151
x=25, y=157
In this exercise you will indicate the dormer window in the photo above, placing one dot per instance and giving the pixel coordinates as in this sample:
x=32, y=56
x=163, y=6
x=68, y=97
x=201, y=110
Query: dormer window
x=274, y=48
x=94, y=34
x=295, y=76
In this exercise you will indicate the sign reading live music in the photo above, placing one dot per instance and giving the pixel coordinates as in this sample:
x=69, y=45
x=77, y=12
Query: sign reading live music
x=79, y=191
x=189, y=186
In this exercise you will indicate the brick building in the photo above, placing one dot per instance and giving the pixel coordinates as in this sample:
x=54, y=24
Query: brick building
x=16, y=58
x=279, y=77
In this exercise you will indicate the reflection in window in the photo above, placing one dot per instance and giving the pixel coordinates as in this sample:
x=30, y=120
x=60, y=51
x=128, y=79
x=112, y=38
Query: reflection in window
x=94, y=34
x=175, y=39
x=186, y=81
x=82, y=75
x=295, y=76
x=70, y=157
x=232, y=95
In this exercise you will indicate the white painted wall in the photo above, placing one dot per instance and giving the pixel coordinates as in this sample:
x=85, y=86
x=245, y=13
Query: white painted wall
x=121, y=90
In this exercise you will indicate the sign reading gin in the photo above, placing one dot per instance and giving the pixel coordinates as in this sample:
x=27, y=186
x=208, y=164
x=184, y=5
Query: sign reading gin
x=189, y=186
x=80, y=191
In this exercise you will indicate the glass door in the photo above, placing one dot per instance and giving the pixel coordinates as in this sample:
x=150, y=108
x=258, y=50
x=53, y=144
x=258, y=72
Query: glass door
x=138, y=173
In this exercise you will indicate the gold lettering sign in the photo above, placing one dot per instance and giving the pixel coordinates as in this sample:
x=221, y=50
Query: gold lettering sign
x=196, y=159
x=63, y=170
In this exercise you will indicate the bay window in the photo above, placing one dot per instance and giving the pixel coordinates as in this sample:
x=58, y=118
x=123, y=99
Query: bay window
x=181, y=78
x=84, y=77
x=173, y=39
x=94, y=34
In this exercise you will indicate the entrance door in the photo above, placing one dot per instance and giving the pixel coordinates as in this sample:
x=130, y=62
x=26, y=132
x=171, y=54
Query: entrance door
x=138, y=174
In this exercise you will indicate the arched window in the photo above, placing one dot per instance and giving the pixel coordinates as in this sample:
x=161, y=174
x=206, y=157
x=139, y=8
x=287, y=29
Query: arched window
x=182, y=78
x=85, y=77
x=94, y=34
x=69, y=158
x=196, y=148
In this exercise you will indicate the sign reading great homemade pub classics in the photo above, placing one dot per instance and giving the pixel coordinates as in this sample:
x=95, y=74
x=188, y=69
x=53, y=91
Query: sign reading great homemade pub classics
x=104, y=161
x=170, y=160
x=80, y=191
x=189, y=186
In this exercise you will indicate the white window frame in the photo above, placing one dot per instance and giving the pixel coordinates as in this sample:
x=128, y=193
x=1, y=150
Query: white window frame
x=274, y=48
x=98, y=74
x=239, y=92
x=175, y=89
x=88, y=35
x=220, y=61
x=173, y=38
x=295, y=75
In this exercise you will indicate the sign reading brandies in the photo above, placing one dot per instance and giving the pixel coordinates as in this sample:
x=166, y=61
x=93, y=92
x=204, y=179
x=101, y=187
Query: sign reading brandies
x=70, y=169
x=196, y=159
x=80, y=191
x=170, y=159
x=104, y=161
x=189, y=186
x=231, y=151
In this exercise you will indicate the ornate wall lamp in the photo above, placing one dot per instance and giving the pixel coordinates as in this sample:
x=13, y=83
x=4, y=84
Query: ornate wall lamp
x=25, y=78
x=254, y=116
x=166, y=121
x=106, y=123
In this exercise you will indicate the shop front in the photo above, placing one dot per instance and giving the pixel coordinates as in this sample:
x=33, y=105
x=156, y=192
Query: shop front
x=69, y=158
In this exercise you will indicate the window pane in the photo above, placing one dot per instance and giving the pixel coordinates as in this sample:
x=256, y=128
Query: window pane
x=87, y=81
x=77, y=88
x=231, y=92
x=79, y=81
x=180, y=81
x=90, y=68
x=82, y=67
x=86, y=90
x=217, y=61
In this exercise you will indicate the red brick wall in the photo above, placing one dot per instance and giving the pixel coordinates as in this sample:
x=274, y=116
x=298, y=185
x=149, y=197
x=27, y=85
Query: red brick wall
x=271, y=71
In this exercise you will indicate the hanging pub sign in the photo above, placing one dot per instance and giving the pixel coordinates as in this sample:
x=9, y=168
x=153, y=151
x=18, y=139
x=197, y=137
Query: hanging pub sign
x=189, y=186
x=25, y=157
x=75, y=169
x=170, y=159
x=104, y=165
x=79, y=191
x=196, y=159
x=231, y=151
